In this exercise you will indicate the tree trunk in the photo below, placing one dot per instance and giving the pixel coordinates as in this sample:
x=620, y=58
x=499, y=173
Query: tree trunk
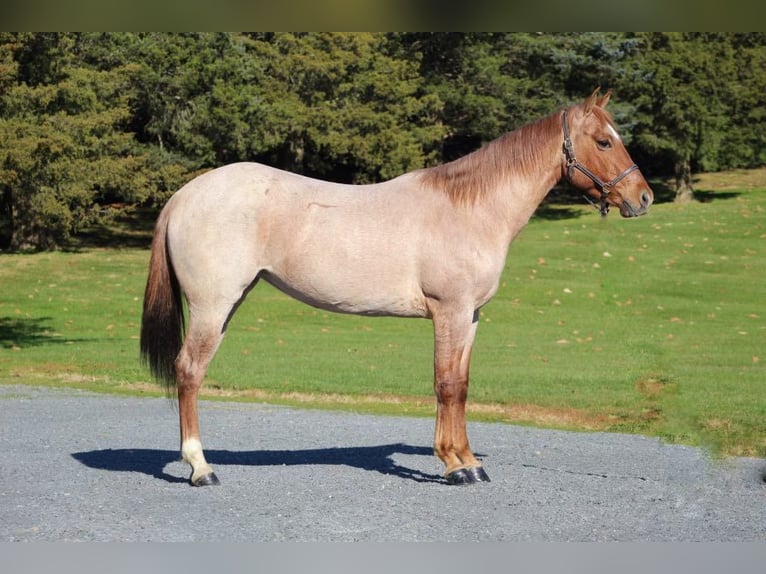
x=683, y=187
x=7, y=223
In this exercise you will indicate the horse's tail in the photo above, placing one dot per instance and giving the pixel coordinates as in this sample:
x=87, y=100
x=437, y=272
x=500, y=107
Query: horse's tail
x=162, y=322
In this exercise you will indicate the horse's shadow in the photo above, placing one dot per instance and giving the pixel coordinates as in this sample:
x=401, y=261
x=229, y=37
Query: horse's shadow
x=152, y=462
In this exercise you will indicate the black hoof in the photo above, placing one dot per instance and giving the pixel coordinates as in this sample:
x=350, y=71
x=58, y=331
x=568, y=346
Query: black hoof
x=207, y=480
x=478, y=473
x=461, y=476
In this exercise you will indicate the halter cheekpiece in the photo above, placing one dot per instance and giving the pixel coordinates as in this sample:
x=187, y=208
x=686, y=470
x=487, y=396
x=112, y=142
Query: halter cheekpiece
x=572, y=164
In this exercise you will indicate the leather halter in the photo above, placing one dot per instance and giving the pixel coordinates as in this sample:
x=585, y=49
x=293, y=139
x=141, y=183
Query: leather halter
x=572, y=164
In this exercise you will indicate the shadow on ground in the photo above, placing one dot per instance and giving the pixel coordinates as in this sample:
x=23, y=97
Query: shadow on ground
x=152, y=462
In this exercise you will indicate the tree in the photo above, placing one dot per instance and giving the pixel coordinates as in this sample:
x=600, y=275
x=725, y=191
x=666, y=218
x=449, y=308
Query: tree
x=65, y=160
x=337, y=106
x=482, y=80
x=679, y=91
x=343, y=106
x=196, y=95
x=744, y=142
x=494, y=83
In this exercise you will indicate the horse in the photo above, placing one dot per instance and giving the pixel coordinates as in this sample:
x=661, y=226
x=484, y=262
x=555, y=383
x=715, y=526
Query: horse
x=430, y=243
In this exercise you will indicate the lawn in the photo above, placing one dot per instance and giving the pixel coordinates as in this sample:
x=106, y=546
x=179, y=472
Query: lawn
x=655, y=326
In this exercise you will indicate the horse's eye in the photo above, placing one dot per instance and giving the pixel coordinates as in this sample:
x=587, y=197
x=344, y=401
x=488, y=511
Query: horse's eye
x=603, y=144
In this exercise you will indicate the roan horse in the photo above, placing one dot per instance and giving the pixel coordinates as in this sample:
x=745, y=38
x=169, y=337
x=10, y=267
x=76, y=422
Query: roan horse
x=431, y=243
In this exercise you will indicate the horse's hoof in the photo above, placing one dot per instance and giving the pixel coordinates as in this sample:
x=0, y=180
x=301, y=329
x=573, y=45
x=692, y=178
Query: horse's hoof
x=207, y=480
x=479, y=474
x=461, y=476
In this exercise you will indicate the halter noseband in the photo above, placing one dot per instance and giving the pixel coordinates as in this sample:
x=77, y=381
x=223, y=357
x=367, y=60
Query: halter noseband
x=572, y=164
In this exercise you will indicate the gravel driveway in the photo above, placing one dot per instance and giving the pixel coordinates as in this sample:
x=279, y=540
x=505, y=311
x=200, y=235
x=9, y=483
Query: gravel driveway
x=81, y=466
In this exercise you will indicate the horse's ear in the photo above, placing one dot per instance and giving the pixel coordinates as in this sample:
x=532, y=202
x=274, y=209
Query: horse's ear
x=602, y=102
x=592, y=100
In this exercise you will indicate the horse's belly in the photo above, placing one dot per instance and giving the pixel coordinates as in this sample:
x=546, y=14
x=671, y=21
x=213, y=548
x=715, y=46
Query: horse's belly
x=354, y=294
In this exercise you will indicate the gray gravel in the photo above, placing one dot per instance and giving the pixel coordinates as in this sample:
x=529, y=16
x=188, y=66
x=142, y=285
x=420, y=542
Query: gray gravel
x=81, y=466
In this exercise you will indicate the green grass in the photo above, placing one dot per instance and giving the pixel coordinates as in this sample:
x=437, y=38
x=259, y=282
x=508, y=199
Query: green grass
x=655, y=325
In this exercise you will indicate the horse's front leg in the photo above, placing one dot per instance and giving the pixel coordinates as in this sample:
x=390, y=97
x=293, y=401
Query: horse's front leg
x=453, y=341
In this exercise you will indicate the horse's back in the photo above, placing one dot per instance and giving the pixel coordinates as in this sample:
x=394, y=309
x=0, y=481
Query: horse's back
x=232, y=188
x=229, y=186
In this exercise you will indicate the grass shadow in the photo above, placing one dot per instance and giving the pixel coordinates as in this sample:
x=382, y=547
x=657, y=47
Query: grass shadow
x=706, y=196
x=562, y=202
x=132, y=228
x=664, y=192
x=27, y=332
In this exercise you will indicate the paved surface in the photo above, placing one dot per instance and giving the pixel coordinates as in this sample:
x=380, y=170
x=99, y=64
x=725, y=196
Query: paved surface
x=81, y=466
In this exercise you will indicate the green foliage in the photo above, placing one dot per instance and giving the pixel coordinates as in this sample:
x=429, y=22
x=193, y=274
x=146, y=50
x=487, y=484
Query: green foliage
x=683, y=85
x=95, y=123
x=339, y=106
x=196, y=96
x=699, y=101
x=67, y=162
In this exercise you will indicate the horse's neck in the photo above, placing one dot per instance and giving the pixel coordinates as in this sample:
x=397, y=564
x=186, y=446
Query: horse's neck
x=537, y=170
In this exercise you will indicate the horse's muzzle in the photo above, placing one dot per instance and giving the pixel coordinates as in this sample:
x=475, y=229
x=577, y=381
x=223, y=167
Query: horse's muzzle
x=628, y=209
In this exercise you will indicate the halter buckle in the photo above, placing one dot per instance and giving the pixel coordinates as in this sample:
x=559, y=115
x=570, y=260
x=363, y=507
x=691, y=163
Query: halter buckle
x=569, y=151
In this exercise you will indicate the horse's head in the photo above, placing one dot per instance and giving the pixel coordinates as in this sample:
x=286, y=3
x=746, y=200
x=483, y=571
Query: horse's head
x=602, y=166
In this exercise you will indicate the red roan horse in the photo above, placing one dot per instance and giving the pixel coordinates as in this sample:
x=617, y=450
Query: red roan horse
x=431, y=243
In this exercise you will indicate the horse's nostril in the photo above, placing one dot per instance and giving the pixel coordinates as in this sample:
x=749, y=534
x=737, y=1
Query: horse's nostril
x=646, y=199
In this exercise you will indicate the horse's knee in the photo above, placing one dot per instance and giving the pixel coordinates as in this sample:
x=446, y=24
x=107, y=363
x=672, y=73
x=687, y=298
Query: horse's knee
x=184, y=372
x=451, y=392
x=191, y=366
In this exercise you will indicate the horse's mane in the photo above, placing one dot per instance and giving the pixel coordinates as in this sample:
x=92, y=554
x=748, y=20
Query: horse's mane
x=475, y=175
x=518, y=153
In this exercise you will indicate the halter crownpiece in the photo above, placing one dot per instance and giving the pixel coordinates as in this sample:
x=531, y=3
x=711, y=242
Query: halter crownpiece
x=572, y=164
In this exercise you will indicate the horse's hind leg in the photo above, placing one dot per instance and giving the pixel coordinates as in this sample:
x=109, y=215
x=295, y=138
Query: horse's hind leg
x=202, y=340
